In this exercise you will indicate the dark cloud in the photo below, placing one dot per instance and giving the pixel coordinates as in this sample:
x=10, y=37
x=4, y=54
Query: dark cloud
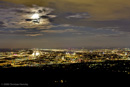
x=78, y=15
x=16, y=17
x=2, y=24
x=113, y=35
x=117, y=25
x=60, y=31
x=65, y=23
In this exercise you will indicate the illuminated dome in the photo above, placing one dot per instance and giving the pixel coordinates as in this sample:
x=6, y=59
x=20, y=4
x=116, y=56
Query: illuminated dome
x=36, y=53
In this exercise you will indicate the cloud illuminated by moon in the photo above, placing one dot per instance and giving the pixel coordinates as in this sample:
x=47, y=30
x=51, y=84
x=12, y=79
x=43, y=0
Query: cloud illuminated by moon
x=16, y=17
x=35, y=16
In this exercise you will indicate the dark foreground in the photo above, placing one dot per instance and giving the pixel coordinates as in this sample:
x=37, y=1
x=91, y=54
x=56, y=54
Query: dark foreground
x=82, y=75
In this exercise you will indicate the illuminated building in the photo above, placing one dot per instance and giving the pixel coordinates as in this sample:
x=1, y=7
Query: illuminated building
x=36, y=53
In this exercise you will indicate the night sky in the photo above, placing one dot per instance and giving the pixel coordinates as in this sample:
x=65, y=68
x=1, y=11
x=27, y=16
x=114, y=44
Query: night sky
x=69, y=23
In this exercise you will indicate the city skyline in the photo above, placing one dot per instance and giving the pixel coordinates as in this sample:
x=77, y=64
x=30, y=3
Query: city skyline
x=68, y=23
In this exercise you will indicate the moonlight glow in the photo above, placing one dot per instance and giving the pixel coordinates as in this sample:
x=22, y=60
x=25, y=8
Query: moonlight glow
x=35, y=16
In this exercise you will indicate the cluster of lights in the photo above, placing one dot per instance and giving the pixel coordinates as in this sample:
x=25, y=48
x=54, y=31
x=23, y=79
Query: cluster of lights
x=36, y=53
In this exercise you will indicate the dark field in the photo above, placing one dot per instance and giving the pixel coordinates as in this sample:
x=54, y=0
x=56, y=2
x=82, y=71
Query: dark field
x=70, y=75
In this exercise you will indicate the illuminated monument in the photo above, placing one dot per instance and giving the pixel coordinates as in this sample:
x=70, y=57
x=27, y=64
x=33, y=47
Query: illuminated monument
x=36, y=53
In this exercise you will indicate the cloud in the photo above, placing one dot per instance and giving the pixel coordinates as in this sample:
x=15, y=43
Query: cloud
x=2, y=24
x=15, y=17
x=60, y=31
x=113, y=35
x=115, y=25
x=63, y=25
x=107, y=28
x=113, y=29
x=20, y=32
x=79, y=15
x=33, y=35
x=77, y=33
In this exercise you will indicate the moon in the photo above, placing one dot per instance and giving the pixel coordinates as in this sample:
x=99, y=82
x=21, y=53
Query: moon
x=35, y=16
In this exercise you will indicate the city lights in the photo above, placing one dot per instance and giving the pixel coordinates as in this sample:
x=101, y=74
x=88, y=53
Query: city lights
x=40, y=57
x=36, y=54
